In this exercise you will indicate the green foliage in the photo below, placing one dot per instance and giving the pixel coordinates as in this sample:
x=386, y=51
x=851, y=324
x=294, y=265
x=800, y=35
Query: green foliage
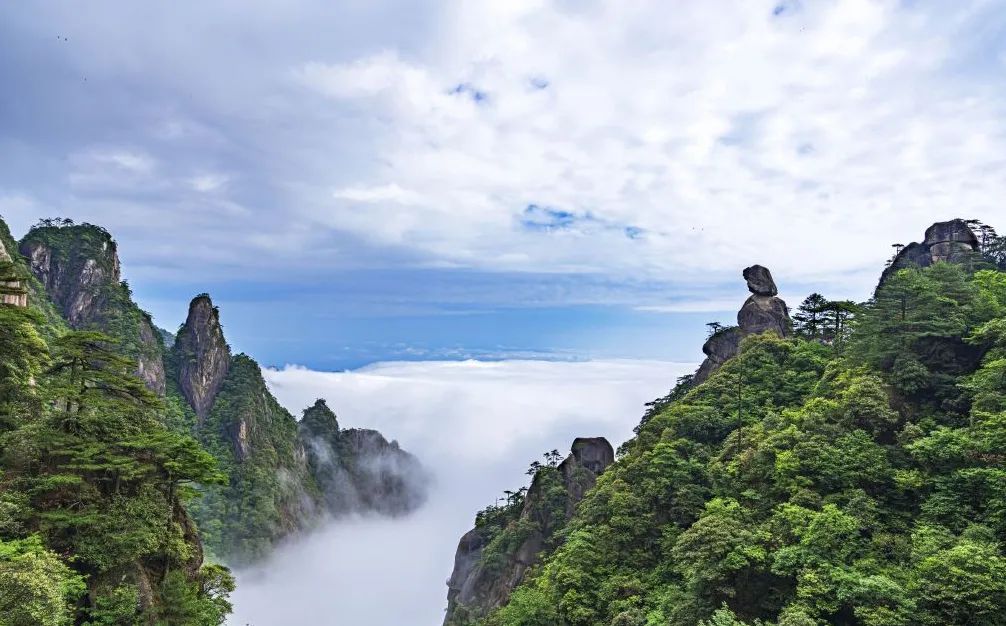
x=802, y=485
x=204, y=604
x=37, y=588
x=260, y=499
x=91, y=488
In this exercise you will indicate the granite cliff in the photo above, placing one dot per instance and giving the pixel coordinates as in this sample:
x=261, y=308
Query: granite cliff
x=78, y=266
x=493, y=558
x=276, y=483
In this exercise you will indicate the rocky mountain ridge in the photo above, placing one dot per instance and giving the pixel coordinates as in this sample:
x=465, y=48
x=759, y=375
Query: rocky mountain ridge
x=952, y=241
x=276, y=484
x=831, y=469
x=480, y=583
x=78, y=266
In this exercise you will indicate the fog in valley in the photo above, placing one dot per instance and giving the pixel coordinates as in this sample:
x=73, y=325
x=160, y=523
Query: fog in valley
x=475, y=426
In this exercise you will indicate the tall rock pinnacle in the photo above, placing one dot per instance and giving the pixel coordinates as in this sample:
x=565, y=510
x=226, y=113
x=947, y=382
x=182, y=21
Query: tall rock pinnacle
x=202, y=355
x=763, y=311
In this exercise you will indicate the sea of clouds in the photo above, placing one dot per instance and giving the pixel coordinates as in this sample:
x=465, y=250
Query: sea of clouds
x=475, y=425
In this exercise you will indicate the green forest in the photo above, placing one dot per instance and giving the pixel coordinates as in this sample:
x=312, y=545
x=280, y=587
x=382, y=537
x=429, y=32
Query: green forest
x=119, y=501
x=851, y=473
x=93, y=526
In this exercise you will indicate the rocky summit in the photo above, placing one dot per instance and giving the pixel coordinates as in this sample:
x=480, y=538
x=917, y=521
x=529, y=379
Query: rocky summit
x=78, y=266
x=493, y=558
x=202, y=356
x=952, y=241
x=763, y=311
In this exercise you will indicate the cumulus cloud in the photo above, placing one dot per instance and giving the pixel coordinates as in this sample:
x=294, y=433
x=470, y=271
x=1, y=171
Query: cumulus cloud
x=678, y=143
x=708, y=135
x=476, y=425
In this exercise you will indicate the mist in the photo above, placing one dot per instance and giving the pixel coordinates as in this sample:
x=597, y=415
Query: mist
x=475, y=426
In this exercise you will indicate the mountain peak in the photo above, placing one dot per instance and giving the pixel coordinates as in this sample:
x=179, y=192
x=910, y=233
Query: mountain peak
x=319, y=420
x=951, y=241
x=763, y=311
x=202, y=355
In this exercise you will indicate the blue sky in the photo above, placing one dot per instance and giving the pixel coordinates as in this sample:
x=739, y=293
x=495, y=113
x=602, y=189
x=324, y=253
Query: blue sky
x=356, y=181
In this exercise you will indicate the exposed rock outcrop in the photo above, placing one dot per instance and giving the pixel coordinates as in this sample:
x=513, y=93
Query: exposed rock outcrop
x=480, y=583
x=763, y=311
x=951, y=241
x=79, y=268
x=357, y=469
x=760, y=281
x=201, y=355
x=13, y=291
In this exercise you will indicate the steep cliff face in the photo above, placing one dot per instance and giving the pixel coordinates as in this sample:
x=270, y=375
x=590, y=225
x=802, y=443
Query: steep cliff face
x=201, y=355
x=14, y=291
x=358, y=469
x=79, y=268
x=951, y=241
x=269, y=492
x=34, y=296
x=283, y=476
x=763, y=311
x=493, y=558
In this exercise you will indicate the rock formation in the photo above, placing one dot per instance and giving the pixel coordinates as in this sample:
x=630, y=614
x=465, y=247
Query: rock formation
x=357, y=469
x=12, y=291
x=79, y=268
x=478, y=585
x=952, y=241
x=201, y=355
x=763, y=311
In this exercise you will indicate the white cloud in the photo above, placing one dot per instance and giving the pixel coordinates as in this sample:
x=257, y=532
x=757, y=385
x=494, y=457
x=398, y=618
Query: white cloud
x=476, y=425
x=382, y=193
x=678, y=142
x=720, y=133
x=207, y=183
x=111, y=169
x=486, y=406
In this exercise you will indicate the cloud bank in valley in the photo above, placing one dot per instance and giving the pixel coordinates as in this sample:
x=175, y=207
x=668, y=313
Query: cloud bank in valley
x=475, y=425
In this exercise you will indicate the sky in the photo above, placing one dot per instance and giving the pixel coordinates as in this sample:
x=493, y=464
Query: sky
x=364, y=180
x=476, y=427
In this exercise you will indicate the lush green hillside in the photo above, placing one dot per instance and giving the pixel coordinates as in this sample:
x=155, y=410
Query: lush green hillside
x=849, y=478
x=270, y=484
x=93, y=527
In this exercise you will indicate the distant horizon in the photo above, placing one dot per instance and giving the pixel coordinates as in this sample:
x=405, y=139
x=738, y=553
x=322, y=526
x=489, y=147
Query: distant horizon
x=547, y=177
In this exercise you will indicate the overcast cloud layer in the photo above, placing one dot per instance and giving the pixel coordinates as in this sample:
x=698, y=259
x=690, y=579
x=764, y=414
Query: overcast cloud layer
x=670, y=143
x=476, y=425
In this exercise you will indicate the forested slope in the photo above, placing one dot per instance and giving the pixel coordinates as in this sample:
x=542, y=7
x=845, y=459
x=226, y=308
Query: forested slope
x=123, y=460
x=852, y=473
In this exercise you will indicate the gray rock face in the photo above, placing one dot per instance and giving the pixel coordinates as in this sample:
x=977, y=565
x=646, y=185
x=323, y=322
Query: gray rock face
x=475, y=587
x=593, y=453
x=952, y=241
x=79, y=268
x=202, y=357
x=763, y=311
x=760, y=281
x=357, y=469
x=74, y=279
x=17, y=299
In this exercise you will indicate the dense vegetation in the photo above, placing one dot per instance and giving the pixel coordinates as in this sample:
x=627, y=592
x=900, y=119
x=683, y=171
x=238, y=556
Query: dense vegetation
x=93, y=529
x=265, y=495
x=850, y=474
